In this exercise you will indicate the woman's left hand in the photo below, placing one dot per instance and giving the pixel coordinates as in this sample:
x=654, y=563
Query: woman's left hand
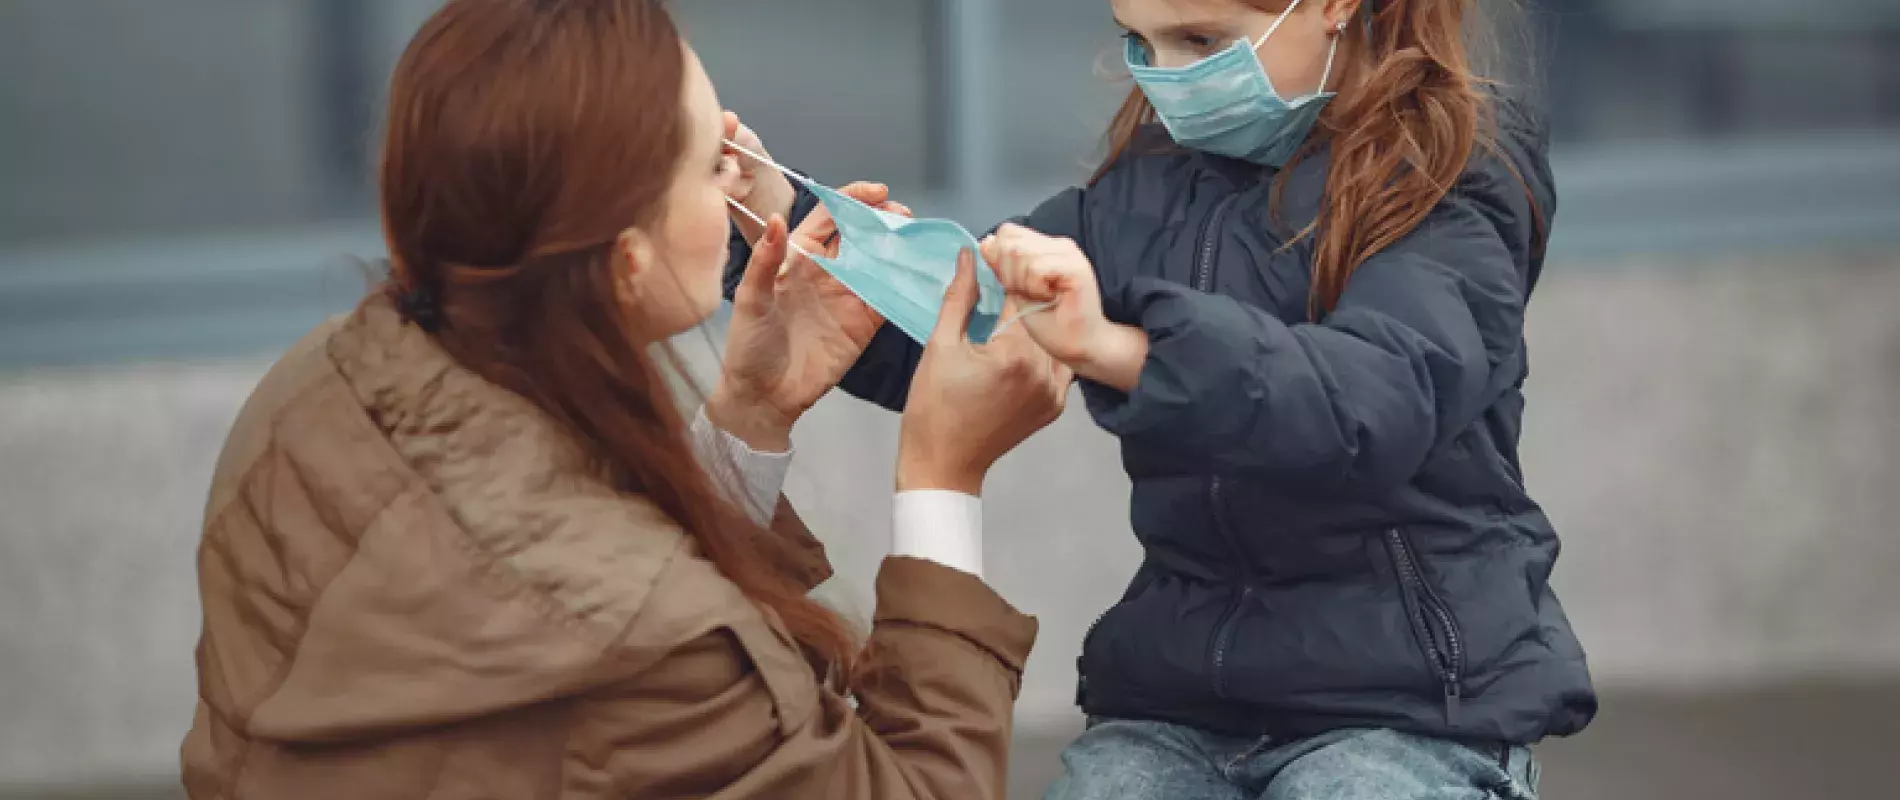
x=795, y=329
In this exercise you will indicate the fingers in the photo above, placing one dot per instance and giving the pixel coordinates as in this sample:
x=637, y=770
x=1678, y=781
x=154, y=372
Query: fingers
x=735, y=131
x=768, y=256
x=739, y=181
x=1016, y=255
x=868, y=193
x=1009, y=257
x=1009, y=326
x=817, y=232
x=742, y=172
x=1014, y=266
x=993, y=255
x=1011, y=305
x=953, y=320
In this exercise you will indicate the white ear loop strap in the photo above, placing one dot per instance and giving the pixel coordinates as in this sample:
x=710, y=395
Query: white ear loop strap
x=1332, y=50
x=1276, y=24
x=761, y=223
x=789, y=172
x=751, y=215
x=1035, y=308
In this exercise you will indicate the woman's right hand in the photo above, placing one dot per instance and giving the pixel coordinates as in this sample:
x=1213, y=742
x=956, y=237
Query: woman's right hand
x=970, y=404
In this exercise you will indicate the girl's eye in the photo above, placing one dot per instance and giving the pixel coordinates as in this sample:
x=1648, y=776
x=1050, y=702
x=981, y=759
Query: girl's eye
x=1198, y=41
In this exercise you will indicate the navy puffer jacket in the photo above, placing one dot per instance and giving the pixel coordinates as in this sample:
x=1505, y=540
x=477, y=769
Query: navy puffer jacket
x=1334, y=524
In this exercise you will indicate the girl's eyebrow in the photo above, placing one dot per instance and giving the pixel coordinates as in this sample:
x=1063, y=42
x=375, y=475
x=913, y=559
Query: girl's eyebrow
x=1179, y=29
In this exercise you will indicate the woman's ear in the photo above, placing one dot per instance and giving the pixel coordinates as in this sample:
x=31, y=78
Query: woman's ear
x=635, y=257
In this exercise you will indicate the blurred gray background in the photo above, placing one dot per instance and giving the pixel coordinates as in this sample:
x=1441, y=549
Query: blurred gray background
x=1714, y=418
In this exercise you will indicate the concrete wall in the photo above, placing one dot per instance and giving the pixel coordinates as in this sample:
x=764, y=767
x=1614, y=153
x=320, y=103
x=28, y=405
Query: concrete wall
x=1720, y=447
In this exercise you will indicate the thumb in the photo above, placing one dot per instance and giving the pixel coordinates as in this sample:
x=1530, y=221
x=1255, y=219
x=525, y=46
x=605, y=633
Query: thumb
x=767, y=255
x=868, y=193
x=993, y=254
x=953, y=319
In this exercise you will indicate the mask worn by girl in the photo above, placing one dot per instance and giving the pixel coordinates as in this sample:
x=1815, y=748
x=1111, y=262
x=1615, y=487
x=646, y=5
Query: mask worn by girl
x=1225, y=104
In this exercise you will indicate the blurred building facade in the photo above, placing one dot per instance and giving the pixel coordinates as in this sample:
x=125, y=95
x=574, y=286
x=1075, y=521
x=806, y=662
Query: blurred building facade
x=224, y=149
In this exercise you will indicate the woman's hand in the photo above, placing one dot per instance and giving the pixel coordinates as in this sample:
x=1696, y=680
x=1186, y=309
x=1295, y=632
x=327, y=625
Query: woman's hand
x=764, y=190
x=970, y=404
x=1034, y=268
x=795, y=329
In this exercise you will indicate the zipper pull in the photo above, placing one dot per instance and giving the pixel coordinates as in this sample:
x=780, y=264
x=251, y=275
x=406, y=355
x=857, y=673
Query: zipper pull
x=1451, y=703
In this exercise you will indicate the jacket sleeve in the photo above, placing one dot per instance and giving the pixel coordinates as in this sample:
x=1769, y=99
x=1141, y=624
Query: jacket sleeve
x=1426, y=336
x=932, y=720
x=882, y=375
x=788, y=544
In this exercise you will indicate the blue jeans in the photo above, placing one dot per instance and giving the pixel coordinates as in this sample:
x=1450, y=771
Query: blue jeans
x=1125, y=760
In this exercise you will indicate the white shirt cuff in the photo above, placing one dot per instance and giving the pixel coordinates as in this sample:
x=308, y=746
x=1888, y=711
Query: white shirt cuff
x=749, y=477
x=941, y=526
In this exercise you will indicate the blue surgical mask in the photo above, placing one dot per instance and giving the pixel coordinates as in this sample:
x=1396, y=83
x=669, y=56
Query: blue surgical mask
x=899, y=266
x=1225, y=104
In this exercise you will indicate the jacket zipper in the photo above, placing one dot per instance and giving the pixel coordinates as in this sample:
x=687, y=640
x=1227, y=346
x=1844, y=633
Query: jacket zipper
x=1203, y=281
x=1204, y=277
x=1228, y=622
x=1447, y=660
x=1229, y=618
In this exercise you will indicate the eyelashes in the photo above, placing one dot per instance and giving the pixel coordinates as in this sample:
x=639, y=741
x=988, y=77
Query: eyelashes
x=1194, y=41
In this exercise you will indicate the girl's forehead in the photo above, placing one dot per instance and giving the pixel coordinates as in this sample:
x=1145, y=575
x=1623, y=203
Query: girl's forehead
x=1190, y=12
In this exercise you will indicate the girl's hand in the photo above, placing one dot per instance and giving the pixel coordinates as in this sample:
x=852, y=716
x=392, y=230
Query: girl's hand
x=764, y=190
x=1038, y=269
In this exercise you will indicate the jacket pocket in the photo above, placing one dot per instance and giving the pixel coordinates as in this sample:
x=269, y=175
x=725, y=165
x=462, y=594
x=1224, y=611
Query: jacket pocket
x=1435, y=628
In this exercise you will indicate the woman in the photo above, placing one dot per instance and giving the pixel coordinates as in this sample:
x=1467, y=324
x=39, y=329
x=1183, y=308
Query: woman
x=1298, y=301
x=459, y=545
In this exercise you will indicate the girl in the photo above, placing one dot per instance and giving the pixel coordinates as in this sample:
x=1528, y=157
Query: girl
x=460, y=543
x=1296, y=293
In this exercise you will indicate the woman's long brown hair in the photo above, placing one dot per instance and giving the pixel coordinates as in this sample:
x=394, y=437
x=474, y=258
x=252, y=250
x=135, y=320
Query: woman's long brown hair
x=1410, y=112
x=523, y=137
